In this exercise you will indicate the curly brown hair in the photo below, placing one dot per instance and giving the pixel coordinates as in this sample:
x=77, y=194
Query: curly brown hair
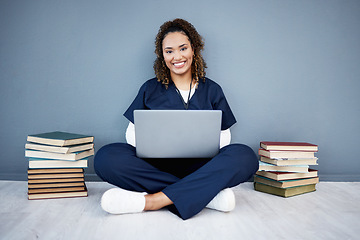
x=198, y=66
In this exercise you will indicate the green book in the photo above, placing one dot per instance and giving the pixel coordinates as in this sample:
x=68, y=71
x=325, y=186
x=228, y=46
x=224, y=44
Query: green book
x=59, y=156
x=56, y=149
x=285, y=183
x=284, y=192
x=61, y=139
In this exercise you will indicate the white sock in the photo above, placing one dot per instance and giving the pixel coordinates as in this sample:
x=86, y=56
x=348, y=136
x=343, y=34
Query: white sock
x=120, y=201
x=224, y=201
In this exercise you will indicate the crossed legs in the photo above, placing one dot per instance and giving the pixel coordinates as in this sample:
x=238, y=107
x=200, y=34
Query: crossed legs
x=118, y=165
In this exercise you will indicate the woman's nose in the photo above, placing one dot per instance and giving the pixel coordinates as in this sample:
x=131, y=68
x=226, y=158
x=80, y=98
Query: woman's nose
x=177, y=55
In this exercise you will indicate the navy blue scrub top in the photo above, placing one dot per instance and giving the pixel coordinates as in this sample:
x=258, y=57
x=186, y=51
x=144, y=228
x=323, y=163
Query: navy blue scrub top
x=208, y=96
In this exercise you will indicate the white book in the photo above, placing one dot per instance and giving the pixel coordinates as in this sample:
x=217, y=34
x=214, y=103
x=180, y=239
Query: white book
x=59, y=156
x=55, y=149
x=49, y=163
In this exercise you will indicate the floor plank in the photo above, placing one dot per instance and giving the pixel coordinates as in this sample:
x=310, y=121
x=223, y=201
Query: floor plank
x=332, y=212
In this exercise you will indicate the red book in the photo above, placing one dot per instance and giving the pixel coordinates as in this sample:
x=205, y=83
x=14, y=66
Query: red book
x=278, y=176
x=288, y=146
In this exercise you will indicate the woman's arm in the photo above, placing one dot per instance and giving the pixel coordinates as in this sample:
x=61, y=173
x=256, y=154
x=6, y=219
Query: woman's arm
x=225, y=136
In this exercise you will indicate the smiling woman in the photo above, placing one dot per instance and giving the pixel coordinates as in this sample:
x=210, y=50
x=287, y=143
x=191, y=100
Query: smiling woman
x=185, y=186
x=178, y=57
x=185, y=31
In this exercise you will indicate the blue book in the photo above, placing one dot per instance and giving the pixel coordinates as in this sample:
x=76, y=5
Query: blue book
x=61, y=139
x=290, y=168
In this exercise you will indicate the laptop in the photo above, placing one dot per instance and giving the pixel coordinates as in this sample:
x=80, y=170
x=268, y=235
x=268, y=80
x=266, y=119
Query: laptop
x=177, y=133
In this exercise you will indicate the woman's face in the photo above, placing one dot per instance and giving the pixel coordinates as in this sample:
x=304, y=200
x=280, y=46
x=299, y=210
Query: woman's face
x=178, y=53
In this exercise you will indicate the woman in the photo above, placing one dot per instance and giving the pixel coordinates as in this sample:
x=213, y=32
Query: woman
x=185, y=186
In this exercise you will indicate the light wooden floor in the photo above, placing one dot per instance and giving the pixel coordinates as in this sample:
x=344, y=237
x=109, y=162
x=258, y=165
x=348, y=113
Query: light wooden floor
x=332, y=212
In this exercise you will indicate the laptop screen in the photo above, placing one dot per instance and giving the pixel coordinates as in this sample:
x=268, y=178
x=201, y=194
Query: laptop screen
x=177, y=133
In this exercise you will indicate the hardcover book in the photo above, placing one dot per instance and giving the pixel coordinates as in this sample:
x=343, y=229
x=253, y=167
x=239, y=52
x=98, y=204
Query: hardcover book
x=286, y=183
x=59, y=156
x=278, y=176
x=55, y=149
x=56, y=190
x=289, y=146
x=55, y=170
x=55, y=180
x=285, y=154
x=295, y=168
x=55, y=185
x=49, y=163
x=59, y=138
x=284, y=192
x=64, y=194
x=55, y=175
x=289, y=161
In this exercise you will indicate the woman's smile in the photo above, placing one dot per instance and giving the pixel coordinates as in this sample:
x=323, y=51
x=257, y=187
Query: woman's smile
x=179, y=64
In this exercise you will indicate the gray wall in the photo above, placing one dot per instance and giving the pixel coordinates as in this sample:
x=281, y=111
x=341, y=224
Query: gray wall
x=290, y=70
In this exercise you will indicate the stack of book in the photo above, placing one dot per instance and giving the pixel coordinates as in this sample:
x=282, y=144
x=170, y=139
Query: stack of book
x=284, y=168
x=56, y=164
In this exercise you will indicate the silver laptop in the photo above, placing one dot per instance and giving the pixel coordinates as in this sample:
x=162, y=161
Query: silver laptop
x=177, y=133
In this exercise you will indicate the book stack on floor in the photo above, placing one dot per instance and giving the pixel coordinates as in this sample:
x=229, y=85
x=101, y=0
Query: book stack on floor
x=284, y=168
x=56, y=164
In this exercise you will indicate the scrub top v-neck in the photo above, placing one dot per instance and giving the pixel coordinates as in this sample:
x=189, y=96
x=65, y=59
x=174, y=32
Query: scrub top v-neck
x=208, y=96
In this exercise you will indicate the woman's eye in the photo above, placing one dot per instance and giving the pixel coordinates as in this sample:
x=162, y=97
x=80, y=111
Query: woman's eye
x=169, y=51
x=183, y=49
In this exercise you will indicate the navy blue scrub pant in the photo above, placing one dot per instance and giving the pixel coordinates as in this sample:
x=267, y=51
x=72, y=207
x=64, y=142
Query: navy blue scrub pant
x=189, y=183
